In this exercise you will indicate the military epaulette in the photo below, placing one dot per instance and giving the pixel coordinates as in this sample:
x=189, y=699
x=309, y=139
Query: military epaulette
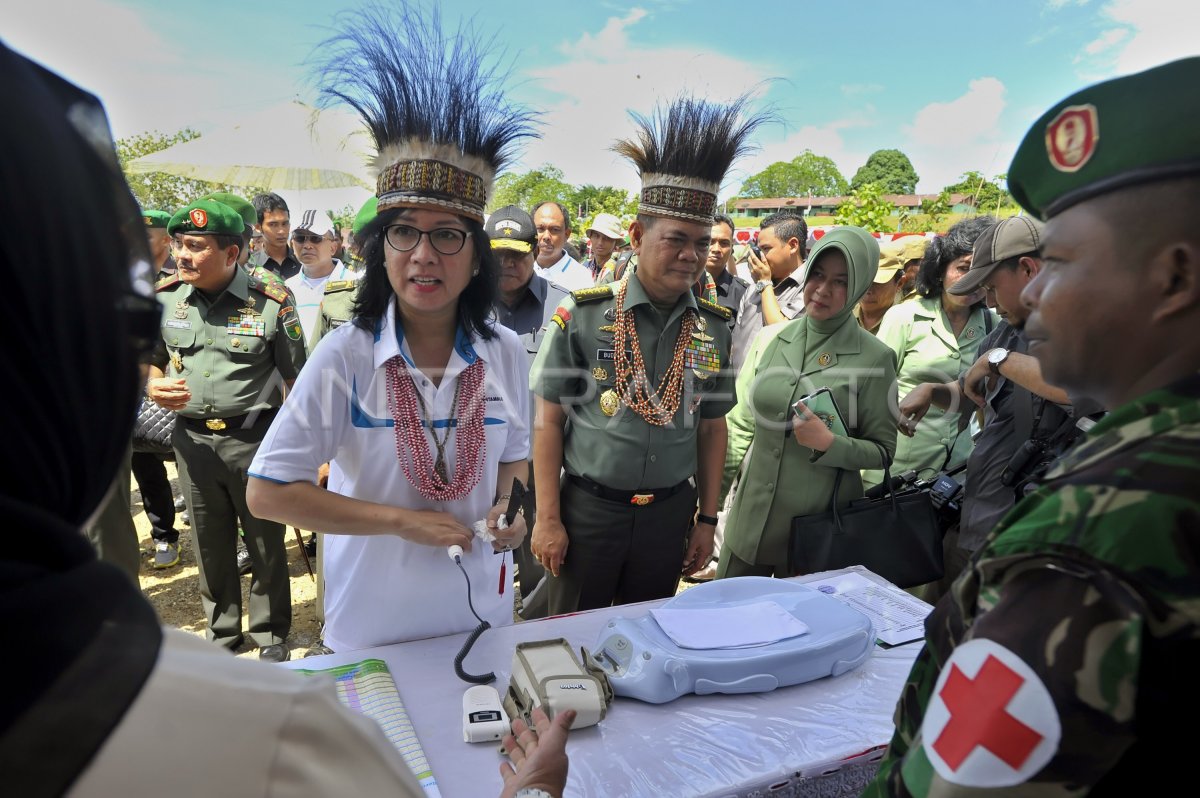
x=333, y=286
x=713, y=307
x=275, y=291
x=585, y=295
x=167, y=282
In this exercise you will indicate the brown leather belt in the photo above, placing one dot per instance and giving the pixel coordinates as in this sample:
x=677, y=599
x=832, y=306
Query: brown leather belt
x=638, y=498
x=231, y=424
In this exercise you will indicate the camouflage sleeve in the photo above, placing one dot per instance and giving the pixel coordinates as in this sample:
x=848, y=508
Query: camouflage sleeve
x=1030, y=702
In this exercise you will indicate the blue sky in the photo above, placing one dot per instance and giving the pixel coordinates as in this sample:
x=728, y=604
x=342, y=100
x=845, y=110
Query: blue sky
x=953, y=83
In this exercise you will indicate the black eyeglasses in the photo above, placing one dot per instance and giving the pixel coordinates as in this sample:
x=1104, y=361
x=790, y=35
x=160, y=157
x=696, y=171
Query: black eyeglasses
x=304, y=238
x=404, y=238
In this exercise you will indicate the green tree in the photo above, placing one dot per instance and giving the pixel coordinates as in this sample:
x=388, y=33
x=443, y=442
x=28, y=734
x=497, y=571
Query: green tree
x=588, y=200
x=160, y=190
x=867, y=208
x=987, y=194
x=805, y=174
x=890, y=170
x=529, y=188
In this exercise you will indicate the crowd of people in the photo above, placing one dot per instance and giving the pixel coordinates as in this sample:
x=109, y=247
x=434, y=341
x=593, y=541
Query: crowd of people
x=391, y=389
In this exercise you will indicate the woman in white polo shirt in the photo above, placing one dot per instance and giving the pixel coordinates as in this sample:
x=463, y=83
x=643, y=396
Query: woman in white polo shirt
x=421, y=404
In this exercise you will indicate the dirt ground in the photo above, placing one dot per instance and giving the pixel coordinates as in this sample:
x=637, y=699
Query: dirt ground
x=175, y=592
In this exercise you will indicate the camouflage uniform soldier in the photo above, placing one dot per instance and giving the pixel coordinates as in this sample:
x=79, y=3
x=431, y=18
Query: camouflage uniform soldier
x=231, y=342
x=1059, y=656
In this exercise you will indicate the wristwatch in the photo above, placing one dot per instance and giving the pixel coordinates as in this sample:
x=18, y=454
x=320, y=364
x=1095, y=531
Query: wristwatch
x=996, y=358
x=761, y=286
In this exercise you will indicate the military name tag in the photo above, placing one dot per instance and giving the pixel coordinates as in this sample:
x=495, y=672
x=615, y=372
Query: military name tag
x=177, y=325
x=611, y=354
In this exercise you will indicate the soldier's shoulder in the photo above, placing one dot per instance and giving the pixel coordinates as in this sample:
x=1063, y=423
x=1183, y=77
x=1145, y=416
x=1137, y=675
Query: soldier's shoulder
x=338, y=286
x=594, y=294
x=271, y=289
x=168, y=282
x=717, y=310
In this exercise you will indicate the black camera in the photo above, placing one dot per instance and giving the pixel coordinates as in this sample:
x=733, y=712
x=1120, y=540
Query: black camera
x=945, y=493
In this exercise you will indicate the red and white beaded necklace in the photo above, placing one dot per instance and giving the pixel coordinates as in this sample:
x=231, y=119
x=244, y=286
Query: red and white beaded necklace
x=470, y=442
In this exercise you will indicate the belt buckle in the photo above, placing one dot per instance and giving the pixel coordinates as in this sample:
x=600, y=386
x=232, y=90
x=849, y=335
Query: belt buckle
x=642, y=499
x=215, y=424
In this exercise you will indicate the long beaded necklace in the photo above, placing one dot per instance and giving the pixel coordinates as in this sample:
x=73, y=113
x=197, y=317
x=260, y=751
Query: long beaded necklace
x=431, y=477
x=656, y=405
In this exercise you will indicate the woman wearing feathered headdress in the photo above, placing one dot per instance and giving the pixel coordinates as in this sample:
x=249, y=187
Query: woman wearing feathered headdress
x=421, y=404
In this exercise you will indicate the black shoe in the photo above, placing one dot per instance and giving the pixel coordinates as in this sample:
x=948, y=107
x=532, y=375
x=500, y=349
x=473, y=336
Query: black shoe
x=243, y=562
x=310, y=547
x=279, y=652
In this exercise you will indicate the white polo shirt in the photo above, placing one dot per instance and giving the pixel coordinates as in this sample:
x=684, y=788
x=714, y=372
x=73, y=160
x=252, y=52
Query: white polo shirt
x=310, y=291
x=568, y=273
x=382, y=589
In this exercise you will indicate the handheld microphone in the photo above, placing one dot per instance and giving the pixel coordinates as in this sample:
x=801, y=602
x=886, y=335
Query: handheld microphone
x=455, y=552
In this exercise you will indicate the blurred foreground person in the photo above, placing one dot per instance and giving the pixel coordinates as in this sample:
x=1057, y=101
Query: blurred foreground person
x=109, y=702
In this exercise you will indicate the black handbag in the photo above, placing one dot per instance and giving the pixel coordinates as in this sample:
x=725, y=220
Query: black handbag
x=152, y=432
x=896, y=536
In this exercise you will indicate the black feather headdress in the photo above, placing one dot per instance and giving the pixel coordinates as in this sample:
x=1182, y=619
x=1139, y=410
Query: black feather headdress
x=683, y=151
x=433, y=101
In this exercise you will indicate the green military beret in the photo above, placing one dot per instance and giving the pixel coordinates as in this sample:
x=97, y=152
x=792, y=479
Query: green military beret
x=206, y=217
x=365, y=214
x=1121, y=132
x=239, y=204
x=156, y=218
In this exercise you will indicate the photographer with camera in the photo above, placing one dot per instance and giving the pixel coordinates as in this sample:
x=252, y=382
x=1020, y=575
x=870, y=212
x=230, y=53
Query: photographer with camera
x=1026, y=421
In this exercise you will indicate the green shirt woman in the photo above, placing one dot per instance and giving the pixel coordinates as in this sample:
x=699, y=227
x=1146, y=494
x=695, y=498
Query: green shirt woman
x=786, y=467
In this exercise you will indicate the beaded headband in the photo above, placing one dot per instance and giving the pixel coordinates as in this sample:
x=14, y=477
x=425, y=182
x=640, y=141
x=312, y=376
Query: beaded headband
x=678, y=198
x=415, y=174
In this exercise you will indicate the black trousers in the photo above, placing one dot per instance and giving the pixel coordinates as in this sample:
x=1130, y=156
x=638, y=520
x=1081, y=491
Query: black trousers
x=157, y=500
x=619, y=553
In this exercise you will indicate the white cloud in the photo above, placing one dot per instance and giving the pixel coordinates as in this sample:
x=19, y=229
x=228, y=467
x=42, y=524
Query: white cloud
x=1152, y=32
x=605, y=74
x=1105, y=41
x=148, y=78
x=827, y=140
x=946, y=139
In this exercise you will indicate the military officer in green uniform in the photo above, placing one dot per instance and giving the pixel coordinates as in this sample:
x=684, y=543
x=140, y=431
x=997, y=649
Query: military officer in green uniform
x=230, y=343
x=630, y=388
x=1064, y=657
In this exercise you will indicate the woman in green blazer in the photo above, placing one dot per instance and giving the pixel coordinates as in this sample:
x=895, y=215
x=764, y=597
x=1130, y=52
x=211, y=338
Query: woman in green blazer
x=787, y=469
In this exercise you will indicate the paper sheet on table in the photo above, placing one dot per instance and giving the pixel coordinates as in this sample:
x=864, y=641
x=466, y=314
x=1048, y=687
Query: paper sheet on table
x=743, y=626
x=898, y=617
x=367, y=687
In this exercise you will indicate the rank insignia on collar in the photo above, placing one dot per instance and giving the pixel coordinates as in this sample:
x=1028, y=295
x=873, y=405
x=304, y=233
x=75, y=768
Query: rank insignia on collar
x=824, y=359
x=970, y=332
x=610, y=314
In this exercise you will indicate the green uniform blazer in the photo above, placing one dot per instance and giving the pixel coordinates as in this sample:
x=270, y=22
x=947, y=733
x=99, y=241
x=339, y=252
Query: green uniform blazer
x=781, y=479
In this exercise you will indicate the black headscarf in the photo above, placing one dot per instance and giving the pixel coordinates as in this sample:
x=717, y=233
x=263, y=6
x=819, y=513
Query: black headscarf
x=70, y=379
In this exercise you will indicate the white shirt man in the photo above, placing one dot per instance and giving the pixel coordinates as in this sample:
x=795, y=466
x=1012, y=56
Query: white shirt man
x=552, y=261
x=314, y=240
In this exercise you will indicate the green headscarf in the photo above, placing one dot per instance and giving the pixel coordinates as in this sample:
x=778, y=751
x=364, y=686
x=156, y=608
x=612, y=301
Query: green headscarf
x=861, y=251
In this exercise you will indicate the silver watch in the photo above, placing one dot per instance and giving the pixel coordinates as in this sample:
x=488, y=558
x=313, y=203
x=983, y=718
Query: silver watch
x=761, y=286
x=996, y=358
x=532, y=792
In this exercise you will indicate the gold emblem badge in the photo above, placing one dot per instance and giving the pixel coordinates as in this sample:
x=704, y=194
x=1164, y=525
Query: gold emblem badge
x=609, y=402
x=599, y=373
x=215, y=424
x=177, y=361
x=608, y=328
x=824, y=359
x=642, y=499
x=970, y=332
